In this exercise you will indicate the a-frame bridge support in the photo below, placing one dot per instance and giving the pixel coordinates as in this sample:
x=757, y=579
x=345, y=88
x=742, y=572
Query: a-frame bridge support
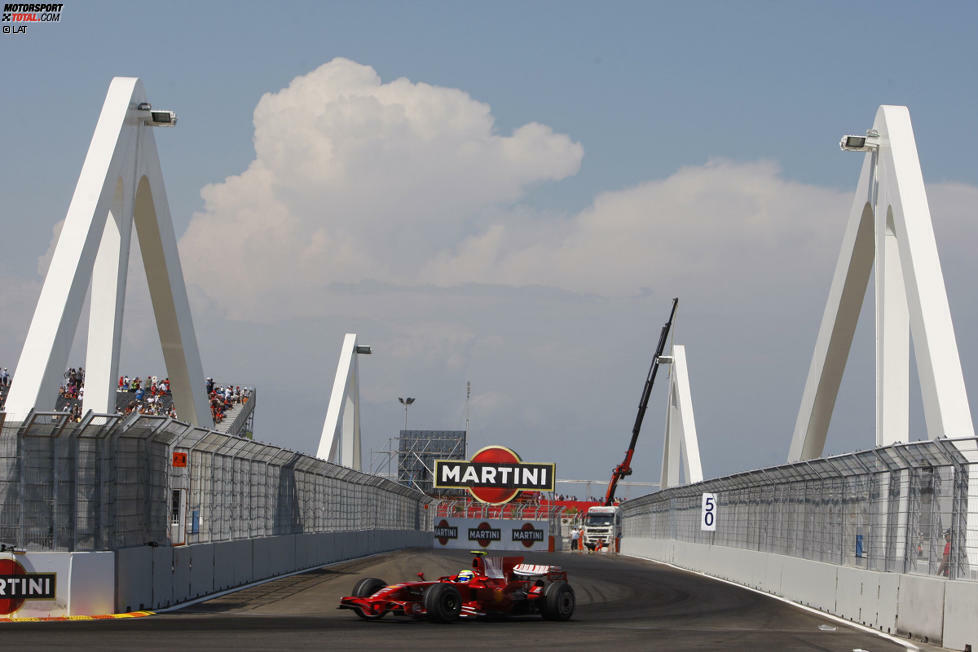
x=681, y=450
x=889, y=225
x=340, y=439
x=121, y=185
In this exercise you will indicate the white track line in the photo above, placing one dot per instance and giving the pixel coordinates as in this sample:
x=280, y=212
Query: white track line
x=848, y=623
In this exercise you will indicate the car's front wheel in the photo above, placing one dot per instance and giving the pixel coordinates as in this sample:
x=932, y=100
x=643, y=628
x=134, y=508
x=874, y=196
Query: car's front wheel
x=443, y=602
x=364, y=589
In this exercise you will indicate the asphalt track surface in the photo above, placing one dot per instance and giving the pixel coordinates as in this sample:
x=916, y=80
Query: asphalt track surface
x=622, y=604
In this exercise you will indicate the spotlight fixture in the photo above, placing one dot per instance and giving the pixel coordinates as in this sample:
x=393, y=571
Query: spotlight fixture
x=865, y=143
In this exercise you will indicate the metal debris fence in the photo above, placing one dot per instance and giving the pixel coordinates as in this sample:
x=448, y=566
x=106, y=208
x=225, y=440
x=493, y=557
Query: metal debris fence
x=108, y=482
x=885, y=509
x=519, y=510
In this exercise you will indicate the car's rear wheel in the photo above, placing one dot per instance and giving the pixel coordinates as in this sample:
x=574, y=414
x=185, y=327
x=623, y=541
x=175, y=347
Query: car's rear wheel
x=558, y=601
x=366, y=588
x=443, y=602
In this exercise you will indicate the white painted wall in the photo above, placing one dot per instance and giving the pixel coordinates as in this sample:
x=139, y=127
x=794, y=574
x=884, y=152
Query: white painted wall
x=84, y=583
x=142, y=577
x=916, y=606
x=157, y=578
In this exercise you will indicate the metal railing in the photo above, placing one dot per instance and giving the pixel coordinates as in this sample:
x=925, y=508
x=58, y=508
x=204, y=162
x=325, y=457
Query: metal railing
x=469, y=508
x=109, y=482
x=901, y=508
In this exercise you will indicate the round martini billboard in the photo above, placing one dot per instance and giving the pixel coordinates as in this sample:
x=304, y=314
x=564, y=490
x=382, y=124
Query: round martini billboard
x=494, y=475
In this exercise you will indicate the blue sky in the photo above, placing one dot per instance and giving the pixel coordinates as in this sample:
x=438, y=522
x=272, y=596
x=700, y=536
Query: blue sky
x=646, y=89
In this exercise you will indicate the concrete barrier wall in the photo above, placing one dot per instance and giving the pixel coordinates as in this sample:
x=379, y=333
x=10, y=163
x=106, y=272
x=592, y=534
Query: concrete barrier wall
x=960, y=623
x=84, y=583
x=916, y=606
x=920, y=607
x=156, y=578
x=134, y=577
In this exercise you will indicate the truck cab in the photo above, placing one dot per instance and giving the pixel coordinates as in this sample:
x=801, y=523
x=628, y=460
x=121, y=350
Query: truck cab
x=602, y=525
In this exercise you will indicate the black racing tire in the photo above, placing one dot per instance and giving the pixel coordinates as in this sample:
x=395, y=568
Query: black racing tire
x=365, y=588
x=558, y=601
x=443, y=602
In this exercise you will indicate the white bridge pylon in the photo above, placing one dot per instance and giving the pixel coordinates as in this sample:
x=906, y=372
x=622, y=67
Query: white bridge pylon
x=340, y=439
x=889, y=225
x=681, y=449
x=120, y=186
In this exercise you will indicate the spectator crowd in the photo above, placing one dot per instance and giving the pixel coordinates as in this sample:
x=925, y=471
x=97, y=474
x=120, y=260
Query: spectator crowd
x=224, y=397
x=147, y=395
x=4, y=385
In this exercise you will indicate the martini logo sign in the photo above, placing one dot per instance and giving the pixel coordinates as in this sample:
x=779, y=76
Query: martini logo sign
x=444, y=532
x=494, y=475
x=528, y=535
x=485, y=534
x=17, y=586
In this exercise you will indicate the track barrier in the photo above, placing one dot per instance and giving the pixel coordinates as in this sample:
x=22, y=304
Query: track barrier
x=880, y=537
x=139, y=513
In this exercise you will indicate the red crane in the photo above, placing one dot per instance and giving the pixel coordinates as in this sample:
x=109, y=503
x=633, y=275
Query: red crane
x=625, y=468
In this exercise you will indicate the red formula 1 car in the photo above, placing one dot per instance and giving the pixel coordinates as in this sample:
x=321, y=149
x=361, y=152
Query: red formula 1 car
x=494, y=586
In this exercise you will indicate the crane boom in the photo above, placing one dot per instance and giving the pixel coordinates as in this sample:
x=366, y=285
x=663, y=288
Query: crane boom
x=625, y=468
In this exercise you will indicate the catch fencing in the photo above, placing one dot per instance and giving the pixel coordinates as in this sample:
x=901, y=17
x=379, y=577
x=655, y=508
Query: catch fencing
x=110, y=482
x=896, y=508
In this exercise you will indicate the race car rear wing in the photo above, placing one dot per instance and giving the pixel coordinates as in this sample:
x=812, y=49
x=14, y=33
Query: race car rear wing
x=534, y=569
x=540, y=571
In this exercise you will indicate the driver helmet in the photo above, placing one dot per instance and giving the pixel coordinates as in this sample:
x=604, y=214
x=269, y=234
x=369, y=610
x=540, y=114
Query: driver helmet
x=464, y=575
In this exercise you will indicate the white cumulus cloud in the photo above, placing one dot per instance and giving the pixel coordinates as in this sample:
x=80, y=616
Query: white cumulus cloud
x=411, y=184
x=703, y=226
x=358, y=179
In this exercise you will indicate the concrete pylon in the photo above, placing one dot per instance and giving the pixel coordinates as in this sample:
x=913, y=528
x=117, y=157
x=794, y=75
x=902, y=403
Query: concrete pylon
x=120, y=186
x=681, y=450
x=340, y=439
x=889, y=225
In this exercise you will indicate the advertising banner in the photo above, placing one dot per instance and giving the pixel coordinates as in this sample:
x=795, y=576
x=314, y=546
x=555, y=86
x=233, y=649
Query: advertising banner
x=56, y=584
x=495, y=475
x=491, y=534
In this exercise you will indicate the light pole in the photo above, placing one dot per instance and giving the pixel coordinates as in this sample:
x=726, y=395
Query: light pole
x=405, y=402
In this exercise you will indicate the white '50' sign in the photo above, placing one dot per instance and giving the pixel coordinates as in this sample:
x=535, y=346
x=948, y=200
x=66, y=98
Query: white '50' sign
x=708, y=520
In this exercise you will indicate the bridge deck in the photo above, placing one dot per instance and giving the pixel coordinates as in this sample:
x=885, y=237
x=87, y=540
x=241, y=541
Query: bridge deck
x=626, y=603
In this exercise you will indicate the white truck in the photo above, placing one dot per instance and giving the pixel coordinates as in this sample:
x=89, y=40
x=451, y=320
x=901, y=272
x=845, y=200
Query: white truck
x=602, y=525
